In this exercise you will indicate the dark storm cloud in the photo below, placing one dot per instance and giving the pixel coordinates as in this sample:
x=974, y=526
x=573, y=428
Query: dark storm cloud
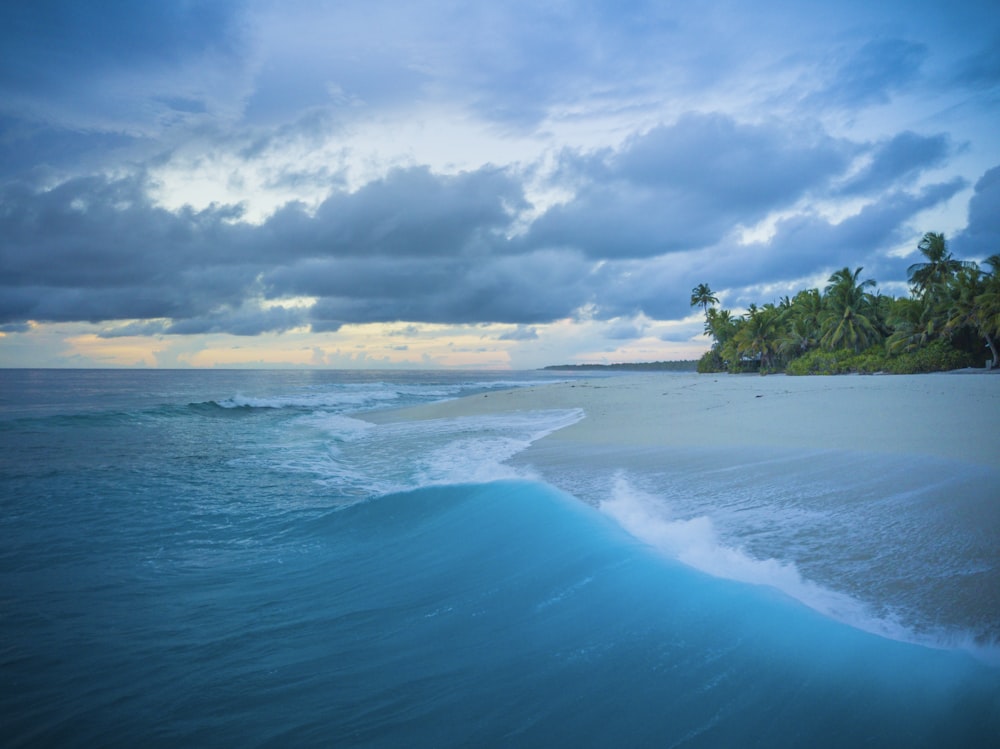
x=97, y=249
x=410, y=212
x=412, y=246
x=803, y=245
x=686, y=186
x=807, y=244
x=414, y=212
x=247, y=320
x=95, y=243
x=31, y=150
x=903, y=156
x=420, y=246
x=981, y=237
x=91, y=90
x=531, y=288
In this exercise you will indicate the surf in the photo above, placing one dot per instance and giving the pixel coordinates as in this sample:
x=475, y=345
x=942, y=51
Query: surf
x=511, y=611
x=283, y=572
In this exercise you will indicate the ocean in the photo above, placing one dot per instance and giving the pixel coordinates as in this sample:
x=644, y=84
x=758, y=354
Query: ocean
x=234, y=558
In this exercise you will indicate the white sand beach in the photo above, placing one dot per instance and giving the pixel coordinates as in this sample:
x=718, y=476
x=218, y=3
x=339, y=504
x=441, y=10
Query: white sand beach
x=872, y=499
x=950, y=415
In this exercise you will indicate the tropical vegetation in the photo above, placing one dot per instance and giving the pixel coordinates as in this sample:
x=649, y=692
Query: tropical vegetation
x=949, y=320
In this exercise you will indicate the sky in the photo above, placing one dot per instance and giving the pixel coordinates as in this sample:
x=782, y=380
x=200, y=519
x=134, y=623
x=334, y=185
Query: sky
x=445, y=184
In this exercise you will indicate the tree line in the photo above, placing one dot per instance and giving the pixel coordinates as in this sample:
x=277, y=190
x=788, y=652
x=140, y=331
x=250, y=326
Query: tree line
x=949, y=320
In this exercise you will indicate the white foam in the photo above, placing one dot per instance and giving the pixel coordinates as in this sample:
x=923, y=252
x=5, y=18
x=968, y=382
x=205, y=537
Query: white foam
x=695, y=542
x=363, y=459
x=337, y=426
x=475, y=449
x=342, y=399
x=357, y=396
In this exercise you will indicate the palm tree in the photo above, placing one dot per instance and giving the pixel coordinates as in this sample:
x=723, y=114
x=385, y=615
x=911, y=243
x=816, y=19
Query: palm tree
x=968, y=300
x=759, y=336
x=702, y=295
x=720, y=325
x=799, y=336
x=848, y=320
x=802, y=321
x=932, y=275
x=988, y=305
x=911, y=326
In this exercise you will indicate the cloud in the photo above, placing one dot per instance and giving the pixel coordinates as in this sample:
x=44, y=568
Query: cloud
x=872, y=74
x=982, y=69
x=806, y=244
x=520, y=333
x=412, y=212
x=536, y=287
x=385, y=172
x=981, y=236
x=686, y=186
x=247, y=320
x=900, y=158
x=625, y=330
x=416, y=246
x=111, y=66
x=97, y=249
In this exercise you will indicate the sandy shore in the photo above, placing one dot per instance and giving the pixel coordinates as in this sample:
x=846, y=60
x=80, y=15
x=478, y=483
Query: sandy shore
x=952, y=416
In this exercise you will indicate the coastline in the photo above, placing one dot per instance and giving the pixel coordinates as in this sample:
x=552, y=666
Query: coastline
x=937, y=415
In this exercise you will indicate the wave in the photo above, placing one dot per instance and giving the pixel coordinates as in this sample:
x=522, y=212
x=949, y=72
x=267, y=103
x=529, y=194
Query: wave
x=499, y=614
x=372, y=395
x=361, y=459
x=523, y=613
x=696, y=543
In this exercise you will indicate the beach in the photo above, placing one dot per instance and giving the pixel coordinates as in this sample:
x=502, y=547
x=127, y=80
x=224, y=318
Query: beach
x=382, y=559
x=950, y=416
x=869, y=498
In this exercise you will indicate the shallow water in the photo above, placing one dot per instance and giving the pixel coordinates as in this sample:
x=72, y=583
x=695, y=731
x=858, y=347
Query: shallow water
x=229, y=558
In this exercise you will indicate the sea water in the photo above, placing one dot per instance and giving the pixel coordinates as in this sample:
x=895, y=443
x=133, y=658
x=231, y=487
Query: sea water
x=236, y=559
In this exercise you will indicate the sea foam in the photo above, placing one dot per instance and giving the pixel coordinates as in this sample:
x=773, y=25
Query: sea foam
x=362, y=459
x=695, y=542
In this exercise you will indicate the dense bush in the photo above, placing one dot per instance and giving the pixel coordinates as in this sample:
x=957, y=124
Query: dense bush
x=822, y=363
x=935, y=357
x=711, y=361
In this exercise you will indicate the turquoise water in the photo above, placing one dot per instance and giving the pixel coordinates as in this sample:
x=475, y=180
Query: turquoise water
x=231, y=559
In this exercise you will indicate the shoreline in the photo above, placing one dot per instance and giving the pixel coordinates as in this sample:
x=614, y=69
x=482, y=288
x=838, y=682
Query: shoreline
x=937, y=414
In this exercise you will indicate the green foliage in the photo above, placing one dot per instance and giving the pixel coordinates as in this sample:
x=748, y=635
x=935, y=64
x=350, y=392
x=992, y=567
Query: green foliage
x=821, y=362
x=702, y=295
x=711, y=361
x=848, y=319
x=951, y=316
x=936, y=357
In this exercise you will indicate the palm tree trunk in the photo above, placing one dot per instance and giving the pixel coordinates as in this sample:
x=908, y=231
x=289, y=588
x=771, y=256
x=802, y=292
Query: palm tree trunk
x=993, y=350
